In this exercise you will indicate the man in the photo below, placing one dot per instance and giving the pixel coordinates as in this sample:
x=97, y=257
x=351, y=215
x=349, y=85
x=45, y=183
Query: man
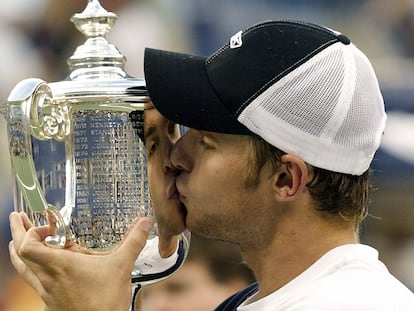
x=286, y=118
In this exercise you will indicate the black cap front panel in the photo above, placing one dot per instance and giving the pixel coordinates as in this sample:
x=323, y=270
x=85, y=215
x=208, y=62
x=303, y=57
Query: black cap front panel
x=268, y=52
x=179, y=88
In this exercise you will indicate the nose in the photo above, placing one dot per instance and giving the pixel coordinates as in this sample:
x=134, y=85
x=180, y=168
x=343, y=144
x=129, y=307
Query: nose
x=180, y=154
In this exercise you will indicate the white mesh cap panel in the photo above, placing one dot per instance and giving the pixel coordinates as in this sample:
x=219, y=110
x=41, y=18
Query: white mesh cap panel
x=359, y=129
x=329, y=111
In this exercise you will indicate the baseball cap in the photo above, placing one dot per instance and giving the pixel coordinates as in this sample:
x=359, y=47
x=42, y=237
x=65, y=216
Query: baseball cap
x=304, y=88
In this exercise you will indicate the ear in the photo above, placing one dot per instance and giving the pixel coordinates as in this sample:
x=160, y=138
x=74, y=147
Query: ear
x=291, y=179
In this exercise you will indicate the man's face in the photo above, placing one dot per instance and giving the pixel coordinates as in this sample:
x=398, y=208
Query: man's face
x=160, y=136
x=212, y=186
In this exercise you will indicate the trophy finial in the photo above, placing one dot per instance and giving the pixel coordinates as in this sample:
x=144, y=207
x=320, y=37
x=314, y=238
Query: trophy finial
x=95, y=22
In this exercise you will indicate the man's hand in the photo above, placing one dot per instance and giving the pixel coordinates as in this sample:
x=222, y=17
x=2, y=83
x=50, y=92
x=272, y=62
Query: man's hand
x=76, y=278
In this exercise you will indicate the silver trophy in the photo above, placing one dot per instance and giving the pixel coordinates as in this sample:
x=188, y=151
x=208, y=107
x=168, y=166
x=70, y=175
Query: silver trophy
x=77, y=149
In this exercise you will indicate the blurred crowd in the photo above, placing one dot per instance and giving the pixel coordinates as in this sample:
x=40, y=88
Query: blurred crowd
x=37, y=38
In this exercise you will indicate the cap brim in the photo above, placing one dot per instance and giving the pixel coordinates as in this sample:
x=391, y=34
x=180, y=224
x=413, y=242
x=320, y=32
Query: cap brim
x=179, y=87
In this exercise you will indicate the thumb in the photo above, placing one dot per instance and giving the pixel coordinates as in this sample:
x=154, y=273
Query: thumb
x=136, y=239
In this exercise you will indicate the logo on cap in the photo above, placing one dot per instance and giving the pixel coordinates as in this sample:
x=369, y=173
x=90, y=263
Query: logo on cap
x=236, y=40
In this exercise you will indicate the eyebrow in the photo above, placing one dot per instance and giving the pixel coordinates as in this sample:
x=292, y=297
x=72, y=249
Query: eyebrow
x=209, y=135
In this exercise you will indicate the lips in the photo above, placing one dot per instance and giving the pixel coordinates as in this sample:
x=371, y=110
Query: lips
x=172, y=191
x=180, y=191
x=176, y=193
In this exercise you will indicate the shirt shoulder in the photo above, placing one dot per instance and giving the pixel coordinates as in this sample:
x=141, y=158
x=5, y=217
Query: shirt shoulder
x=357, y=279
x=347, y=278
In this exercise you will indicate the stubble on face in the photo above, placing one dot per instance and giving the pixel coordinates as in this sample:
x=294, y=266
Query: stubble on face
x=221, y=203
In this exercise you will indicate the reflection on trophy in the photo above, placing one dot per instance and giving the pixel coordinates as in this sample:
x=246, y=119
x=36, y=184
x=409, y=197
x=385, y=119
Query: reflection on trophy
x=77, y=147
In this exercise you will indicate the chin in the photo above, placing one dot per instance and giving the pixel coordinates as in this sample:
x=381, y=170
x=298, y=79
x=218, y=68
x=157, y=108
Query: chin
x=183, y=212
x=178, y=217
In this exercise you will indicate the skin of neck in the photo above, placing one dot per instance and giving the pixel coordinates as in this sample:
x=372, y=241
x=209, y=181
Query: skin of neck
x=299, y=236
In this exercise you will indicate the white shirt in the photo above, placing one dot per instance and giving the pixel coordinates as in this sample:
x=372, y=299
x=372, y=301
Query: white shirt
x=149, y=261
x=347, y=278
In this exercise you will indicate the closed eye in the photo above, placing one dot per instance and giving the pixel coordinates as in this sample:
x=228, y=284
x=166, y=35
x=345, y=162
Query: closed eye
x=203, y=141
x=152, y=147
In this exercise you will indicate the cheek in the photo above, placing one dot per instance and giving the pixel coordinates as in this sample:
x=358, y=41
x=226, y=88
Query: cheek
x=155, y=174
x=225, y=176
x=218, y=185
x=156, y=184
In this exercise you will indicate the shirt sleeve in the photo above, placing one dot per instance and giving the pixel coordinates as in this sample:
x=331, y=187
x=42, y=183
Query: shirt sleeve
x=149, y=260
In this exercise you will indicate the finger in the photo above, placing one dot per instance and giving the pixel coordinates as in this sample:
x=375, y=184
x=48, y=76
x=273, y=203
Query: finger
x=26, y=221
x=43, y=233
x=17, y=229
x=136, y=239
x=26, y=245
x=22, y=268
x=34, y=249
x=51, y=220
x=39, y=234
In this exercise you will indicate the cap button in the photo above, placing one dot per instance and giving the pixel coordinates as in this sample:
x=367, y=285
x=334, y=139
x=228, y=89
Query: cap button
x=344, y=39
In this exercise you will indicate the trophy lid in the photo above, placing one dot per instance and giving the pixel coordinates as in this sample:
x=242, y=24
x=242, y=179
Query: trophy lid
x=96, y=58
x=97, y=67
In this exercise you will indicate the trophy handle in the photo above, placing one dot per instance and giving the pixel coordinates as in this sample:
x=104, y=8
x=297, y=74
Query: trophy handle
x=23, y=121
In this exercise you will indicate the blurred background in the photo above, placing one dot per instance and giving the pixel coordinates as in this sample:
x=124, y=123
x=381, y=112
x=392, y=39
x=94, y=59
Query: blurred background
x=37, y=38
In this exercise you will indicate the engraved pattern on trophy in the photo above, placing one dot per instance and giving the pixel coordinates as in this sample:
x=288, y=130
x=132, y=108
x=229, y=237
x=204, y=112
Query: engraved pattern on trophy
x=111, y=187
